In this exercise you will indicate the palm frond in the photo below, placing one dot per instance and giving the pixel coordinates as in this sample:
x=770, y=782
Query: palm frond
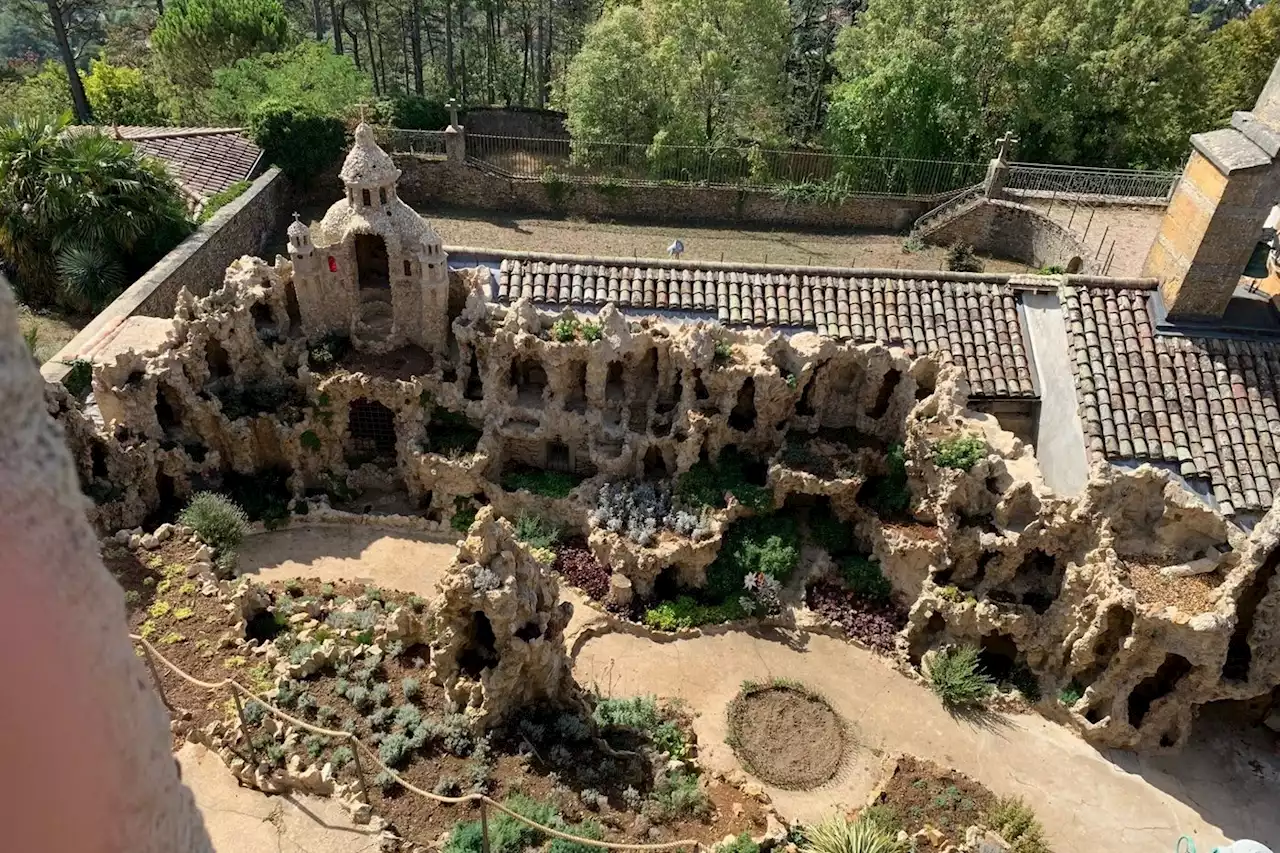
x=90, y=274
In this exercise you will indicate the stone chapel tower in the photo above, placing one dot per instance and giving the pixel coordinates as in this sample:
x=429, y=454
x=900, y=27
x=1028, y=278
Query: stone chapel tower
x=372, y=268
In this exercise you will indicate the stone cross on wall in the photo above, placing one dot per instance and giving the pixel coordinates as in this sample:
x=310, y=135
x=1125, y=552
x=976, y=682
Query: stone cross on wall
x=452, y=106
x=1005, y=142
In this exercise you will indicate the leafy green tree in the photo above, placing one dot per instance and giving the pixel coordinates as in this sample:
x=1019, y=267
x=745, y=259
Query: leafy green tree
x=45, y=94
x=1238, y=59
x=297, y=140
x=721, y=67
x=681, y=72
x=1112, y=82
x=309, y=75
x=412, y=112
x=81, y=214
x=193, y=38
x=611, y=90
x=121, y=95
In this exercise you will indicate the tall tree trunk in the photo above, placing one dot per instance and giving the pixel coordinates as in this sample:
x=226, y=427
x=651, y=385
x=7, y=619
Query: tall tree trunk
x=545, y=93
x=318, y=15
x=539, y=68
x=355, y=44
x=159, y=7
x=337, y=26
x=524, y=65
x=83, y=114
x=415, y=42
x=382, y=59
x=451, y=81
x=373, y=54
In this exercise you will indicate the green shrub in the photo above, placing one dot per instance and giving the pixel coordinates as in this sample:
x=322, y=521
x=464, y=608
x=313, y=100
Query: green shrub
x=705, y=484
x=219, y=200
x=827, y=531
x=961, y=451
x=591, y=332
x=863, y=575
x=685, y=612
x=586, y=829
x=957, y=677
x=723, y=351
x=888, y=494
x=310, y=441
x=412, y=112
x=217, y=519
x=741, y=844
x=960, y=258
x=677, y=796
x=536, y=531
x=79, y=378
x=341, y=757
x=634, y=712
x=451, y=433
x=325, y=354
x=550, y=484
x=837, y=835
x=412, y=688
x=882, y=816
x=302, y=143
x=768, y=544
x=464, y=515
x=1071, y=694
x=565, y=330
x=506, y=834
x=1017, y=824
x=394, y=750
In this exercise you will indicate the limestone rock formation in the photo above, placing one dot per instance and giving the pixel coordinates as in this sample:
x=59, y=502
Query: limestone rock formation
x=500, y=624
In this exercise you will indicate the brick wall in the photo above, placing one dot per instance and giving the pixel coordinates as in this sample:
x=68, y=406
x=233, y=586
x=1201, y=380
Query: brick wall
x=426, y=182
x=1014, y=231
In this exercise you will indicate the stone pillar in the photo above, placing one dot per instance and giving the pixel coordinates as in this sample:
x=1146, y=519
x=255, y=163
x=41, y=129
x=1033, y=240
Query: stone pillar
x=455, y=143
x=1216, y=215
x=997, y=176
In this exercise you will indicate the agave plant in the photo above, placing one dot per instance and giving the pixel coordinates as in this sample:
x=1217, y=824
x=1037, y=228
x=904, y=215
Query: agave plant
x=837, y=835
x=81, y=213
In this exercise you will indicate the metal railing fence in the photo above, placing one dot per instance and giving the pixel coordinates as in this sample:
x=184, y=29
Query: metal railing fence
x=428, y=142
x=1083, y=180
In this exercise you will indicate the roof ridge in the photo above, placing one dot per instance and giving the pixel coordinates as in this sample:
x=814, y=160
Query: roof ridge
x=177, y=132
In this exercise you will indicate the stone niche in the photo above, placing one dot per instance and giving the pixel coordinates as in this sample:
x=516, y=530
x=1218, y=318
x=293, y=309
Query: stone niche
x=500, y=623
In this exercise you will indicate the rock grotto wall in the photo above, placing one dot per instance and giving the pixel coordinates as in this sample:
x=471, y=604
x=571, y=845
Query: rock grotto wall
x=1133, y=594
x=500, y=623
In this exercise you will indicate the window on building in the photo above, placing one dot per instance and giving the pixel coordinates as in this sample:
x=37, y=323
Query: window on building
x=382, y=195
x=408, y=268
x=364, y=196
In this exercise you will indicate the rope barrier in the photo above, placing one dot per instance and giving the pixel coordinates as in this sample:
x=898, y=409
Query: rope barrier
x=359, y=747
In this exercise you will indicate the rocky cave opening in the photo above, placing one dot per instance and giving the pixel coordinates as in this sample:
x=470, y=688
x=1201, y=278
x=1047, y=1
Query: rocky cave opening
x=576, y=399
x=480, y=650
x=743, y=415
x=614, y=389
x=999, y=656
x=1156, y=686
x=217, y=359
x=475, y=386
x=885, y=394
x=530, y=381
x=1117, y=625
x=1239, y=653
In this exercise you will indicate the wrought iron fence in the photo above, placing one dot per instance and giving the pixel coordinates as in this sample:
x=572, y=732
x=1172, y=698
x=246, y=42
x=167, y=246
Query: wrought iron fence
x=428, y=142
x=1079, y=180
x=804, y=174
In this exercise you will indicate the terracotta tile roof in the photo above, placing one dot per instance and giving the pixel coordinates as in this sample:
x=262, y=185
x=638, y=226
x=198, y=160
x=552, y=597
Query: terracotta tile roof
x=975, y=321
x=205, y=160
x=1205, y=405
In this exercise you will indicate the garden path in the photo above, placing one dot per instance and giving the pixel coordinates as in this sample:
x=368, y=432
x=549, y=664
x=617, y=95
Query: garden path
x=242, y=820
x=1224, y=785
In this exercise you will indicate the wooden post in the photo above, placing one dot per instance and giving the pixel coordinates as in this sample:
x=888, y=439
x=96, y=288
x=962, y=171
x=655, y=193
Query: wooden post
x=244, y=725
x=484, y=827
x=355, y=755
x=155, y=675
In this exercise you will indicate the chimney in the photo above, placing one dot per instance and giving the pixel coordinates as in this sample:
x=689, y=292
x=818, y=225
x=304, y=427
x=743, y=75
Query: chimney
x=1216, y=215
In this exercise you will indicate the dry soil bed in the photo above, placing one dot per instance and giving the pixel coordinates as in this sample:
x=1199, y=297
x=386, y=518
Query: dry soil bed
x=786, y=736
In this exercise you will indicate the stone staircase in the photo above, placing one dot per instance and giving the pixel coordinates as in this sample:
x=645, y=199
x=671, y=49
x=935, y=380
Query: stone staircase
x=956, y=206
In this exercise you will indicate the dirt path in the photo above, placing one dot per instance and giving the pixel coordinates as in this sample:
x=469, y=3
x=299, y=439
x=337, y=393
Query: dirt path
x=241, y=820
x=1085, y=801
x=517, y=232
x=364, y=554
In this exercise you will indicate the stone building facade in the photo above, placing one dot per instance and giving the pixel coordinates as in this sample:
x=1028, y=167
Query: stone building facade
x=372, y=269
